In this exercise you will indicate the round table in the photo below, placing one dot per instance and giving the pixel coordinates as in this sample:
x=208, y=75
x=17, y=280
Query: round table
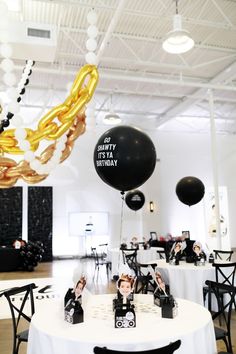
x=186, y=280
x=50, y=334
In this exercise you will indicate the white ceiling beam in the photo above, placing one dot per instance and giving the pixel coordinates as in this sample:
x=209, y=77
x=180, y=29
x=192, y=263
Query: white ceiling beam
x=188, y=102
x=111, y=27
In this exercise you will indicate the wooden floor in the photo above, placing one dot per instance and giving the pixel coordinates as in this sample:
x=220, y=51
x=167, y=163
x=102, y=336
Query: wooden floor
x=97, y=284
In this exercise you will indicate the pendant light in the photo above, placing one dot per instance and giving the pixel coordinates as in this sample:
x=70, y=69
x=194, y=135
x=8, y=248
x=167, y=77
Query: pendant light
x=178, y=40
x=112, y=117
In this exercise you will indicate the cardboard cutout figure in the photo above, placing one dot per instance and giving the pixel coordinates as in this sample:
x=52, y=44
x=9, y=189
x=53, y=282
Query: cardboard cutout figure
x=177, y=252
x=162, y=288
x=124, y=310
x=199, y=254
x=73, y=302
x=125, y=285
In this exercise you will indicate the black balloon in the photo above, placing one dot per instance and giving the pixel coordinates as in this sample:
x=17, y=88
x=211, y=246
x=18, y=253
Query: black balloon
x=190, y=190
x=124, y=157
x=135, y=199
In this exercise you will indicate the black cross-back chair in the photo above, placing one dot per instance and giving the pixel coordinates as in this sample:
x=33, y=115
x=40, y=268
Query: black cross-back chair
x=161, y=254
x=223, y=311
x=100, y=261
x=144, y=281
x=224, y=274
x=20, y=311
x=168, y=349
x=129, y=256
x=223, y=255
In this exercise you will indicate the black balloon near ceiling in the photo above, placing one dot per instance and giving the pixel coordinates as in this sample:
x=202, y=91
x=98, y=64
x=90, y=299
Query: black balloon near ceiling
x=124, y=157
x=134, y=199
x=190, y=190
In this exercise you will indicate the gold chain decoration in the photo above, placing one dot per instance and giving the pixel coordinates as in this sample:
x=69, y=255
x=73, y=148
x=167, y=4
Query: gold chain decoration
x=66, y=117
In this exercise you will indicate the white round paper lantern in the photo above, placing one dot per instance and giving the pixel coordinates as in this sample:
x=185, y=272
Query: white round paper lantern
x=92, y=17
x=92, y=31
x=91, y=44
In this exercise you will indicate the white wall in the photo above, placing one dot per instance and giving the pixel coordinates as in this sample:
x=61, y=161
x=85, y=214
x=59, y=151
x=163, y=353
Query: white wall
x=77, y=187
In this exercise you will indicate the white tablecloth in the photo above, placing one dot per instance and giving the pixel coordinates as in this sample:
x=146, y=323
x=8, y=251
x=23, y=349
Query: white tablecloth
x=186, y=280
x=50, y=334
x=143, y=256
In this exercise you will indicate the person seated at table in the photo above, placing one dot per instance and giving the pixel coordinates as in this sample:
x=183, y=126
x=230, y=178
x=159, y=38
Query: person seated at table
x=199, y=254
x=76, y=293
x=177, y=251
x=125, y=285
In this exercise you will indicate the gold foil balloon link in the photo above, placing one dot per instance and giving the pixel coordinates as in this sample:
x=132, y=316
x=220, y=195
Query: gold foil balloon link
x=10, y=171
x=80, y=94
x=70, y=114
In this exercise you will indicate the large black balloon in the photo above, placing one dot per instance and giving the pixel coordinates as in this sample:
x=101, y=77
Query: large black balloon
x=190, y=190
x=124, y=157
x=135, y=199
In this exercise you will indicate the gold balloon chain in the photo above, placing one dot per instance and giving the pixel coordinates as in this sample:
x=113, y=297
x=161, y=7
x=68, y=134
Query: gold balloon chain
x=71, y=118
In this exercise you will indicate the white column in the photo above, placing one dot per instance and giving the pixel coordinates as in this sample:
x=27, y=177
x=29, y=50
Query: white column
x=215, y=169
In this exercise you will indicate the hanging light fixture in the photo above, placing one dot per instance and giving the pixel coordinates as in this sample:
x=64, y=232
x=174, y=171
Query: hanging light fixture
x=178, y=40
x=111, y=117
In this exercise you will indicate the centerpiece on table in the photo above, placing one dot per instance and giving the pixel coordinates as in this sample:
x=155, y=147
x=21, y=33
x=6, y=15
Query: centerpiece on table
x=122, y=305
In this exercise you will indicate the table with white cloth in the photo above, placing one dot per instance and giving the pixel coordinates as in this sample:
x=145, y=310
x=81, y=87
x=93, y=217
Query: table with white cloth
x=50, y=334
x=143, y=256
x=186, y=280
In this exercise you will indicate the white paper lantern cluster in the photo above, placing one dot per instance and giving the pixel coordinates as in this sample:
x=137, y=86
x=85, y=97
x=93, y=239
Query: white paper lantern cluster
x=91, y=43
x=29, y=156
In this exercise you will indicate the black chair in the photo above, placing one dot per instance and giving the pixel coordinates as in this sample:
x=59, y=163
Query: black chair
x=161, y=254
x=168, y=349
x=20, y=311
x=223, y=255
x=144, y=281
x=130, y=257
x=224, y=274
x=100, y=260
x=223, y=312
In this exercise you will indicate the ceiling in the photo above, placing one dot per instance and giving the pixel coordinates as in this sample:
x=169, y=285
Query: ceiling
x=150, y=88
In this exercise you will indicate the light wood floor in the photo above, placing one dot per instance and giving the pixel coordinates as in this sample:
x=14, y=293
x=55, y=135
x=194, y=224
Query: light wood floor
x=96, y=284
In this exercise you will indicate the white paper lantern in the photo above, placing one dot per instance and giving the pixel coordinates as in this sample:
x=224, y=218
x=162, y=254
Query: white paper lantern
x=92, y=17
x=92, y=31
x=91, y=44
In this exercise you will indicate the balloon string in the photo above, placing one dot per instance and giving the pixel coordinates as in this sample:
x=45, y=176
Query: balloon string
x=121, y=224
